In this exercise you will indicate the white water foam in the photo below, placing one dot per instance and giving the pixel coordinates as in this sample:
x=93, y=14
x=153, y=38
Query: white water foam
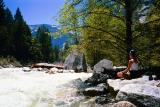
x=37, y=89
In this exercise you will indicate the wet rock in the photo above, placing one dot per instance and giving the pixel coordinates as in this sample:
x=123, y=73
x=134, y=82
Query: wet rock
x=140, y=95
x=89, y=103
x=102, y=65
x=95, y=91
x=124, y=104
x=53, y=70
x=26, y=69
x=98, y=78
x=75, y=61
x=105, y=99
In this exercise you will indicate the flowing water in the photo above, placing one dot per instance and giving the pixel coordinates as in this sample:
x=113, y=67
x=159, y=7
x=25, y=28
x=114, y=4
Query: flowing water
x=39, y=89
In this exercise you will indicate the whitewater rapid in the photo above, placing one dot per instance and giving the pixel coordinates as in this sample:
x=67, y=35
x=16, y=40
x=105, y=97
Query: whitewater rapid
x=39, y=89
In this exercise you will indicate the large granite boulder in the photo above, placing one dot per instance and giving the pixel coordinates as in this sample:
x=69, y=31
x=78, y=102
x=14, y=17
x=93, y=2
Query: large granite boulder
x=102, y=65
x=103, y=70
x=75, y=61
x=140, y=94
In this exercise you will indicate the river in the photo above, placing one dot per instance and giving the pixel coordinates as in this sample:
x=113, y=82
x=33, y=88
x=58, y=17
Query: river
x=39, y=89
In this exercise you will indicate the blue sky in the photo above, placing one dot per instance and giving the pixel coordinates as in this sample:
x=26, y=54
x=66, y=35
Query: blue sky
x=36, y=11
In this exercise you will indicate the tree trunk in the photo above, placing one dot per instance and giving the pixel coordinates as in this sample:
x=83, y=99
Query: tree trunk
x=128, y=19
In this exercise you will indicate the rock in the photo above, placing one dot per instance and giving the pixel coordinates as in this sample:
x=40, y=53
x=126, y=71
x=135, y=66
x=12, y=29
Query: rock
x=8, y=66
x=89, y=69
x=124, y=104
x=1, y=67
x=53, y=70
x=102, y=65
x=75, y=61
x=60, y=71
x=26, y=69
x=98, y=78
x=117, y=84
x=158, y=85
x=68, y=71
x=39, y=69
x=140, y=94
x=95, y=91
x=89, y=103
x=105, y=99
x=46, y=69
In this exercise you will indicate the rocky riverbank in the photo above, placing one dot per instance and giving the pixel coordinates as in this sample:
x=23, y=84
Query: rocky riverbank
x=108, y=91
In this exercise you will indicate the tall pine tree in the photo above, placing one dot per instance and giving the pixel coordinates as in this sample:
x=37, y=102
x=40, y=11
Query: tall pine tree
x=45, y=41
x=3, y=30
x=22, y=38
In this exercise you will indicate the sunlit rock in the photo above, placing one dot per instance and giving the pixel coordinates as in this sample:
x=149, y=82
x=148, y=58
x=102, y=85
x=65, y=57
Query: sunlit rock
x=140, y=94
x=75, y=61
x=124, y=104
x=102, y=65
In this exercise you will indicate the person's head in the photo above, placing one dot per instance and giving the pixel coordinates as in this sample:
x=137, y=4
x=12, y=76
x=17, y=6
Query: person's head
x=132, y=54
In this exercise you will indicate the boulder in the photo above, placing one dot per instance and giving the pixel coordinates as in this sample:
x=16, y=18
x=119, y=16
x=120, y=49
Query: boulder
x=75, y=61
x=102, y=65
x=95, y=91
x=98, y=78
x=53, y=70
x=105, y=100
x=141, y=95
x=124, y=104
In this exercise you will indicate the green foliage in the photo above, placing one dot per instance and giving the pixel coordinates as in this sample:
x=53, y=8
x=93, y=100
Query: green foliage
x=35, y=50
x=110, y=28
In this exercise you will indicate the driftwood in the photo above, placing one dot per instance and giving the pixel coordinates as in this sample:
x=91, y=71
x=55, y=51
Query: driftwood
x=46, y=65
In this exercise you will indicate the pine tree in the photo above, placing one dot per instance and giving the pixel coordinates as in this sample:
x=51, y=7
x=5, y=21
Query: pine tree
x=2, y=13
x=22, y=38
x=45, y=41
x=3, y=30
x=9, y=24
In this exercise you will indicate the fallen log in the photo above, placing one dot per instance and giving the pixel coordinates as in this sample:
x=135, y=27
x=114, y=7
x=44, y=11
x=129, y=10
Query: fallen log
x=46, y=65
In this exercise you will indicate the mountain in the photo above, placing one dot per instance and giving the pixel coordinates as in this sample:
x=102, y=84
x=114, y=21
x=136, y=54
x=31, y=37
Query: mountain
x=58, y=41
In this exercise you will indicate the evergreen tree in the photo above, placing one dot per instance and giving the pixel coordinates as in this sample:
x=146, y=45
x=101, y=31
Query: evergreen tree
x=22, y=38
x=3, y=30
x=2, y=13
x=56, y=53
x=9, y=25
x=35, y=50
x=45, y=41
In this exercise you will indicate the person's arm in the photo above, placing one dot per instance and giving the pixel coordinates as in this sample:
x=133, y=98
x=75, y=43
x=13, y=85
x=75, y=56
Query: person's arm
x=128, y=67
x=121, y=73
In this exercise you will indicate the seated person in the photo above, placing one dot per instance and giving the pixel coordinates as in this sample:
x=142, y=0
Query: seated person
x=130, y=71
